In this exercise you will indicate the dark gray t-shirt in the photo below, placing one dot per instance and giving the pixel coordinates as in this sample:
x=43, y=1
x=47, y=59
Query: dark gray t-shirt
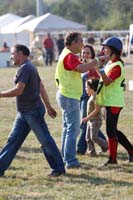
x=30, y=98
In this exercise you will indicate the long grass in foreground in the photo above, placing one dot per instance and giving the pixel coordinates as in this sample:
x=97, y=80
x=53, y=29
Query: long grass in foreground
x=27, y=176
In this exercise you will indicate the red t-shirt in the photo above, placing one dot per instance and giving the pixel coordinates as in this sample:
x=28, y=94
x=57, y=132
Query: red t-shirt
x=48, y=43
x=71, y=61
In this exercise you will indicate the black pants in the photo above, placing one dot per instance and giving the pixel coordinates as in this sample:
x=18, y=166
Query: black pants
x=112, y=132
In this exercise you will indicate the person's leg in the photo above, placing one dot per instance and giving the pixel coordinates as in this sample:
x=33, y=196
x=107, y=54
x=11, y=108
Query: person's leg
x=63, y=136
x=91, y=146
x=17, y=136
x=122, y=139
x=35, y=120
x=111, y=129
x=82, y=145
x=95, y=126
x=70, y=108
x=101, y=135
x=46, y=57
x=51, y=56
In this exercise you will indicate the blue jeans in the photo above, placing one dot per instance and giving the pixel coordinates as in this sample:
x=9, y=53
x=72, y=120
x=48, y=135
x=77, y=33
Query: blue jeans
x=49, y=56
x=82, y=144
x=24, y=122
x=71, y=128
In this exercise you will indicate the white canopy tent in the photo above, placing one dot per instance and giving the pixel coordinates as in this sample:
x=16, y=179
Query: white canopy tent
x=11, y=28
x=7, y=19
x=10, y=35
x=51, y=23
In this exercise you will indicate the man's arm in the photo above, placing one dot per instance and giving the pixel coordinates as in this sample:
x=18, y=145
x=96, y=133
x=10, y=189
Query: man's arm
x=51, y=111
x=84, y=67
x=13, y=92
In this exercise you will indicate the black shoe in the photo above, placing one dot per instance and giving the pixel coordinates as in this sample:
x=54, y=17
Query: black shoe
x=1, y=174
x=104, y=149
x=80, y=153
x=109, y=162
x=130, y=158
x=74, y=166
x=56, y=174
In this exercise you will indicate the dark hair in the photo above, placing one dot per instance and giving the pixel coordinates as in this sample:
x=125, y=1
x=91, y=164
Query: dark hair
x=23, y=48
x=93, y=84
x=92, y=50
x=71, y=37
x=116, y=52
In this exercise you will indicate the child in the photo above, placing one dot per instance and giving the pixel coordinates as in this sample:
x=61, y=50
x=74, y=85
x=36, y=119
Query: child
x=94, y=119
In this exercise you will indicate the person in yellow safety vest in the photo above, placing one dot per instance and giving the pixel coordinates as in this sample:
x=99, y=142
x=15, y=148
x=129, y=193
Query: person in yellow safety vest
x=110, y=95
x=69, y=83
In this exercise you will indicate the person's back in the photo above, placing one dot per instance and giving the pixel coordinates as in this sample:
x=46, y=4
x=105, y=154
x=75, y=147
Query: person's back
x=91, y=107
x=60, y=43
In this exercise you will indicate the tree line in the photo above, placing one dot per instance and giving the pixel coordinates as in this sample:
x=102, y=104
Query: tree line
x=96, y=14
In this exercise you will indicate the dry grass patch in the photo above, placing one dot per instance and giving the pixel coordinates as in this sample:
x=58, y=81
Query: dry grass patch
x=27, y=176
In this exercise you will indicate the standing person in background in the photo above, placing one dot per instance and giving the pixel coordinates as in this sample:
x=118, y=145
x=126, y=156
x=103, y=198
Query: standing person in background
x=69, y=83
x=91, y=39
x=60, y=43
x=110, y=95
x=94, y=119
x=5, y=47
x=29, y=90
x=87, y=54
x=48, y=45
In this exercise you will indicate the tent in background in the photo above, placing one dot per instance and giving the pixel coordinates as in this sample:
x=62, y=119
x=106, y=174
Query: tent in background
x=4, y=21
x=9, y=32
x=51, y=23
x=11, y=28
x=7, y=19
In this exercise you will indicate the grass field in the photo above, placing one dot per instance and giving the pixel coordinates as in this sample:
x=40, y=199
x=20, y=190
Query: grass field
x=27, y=176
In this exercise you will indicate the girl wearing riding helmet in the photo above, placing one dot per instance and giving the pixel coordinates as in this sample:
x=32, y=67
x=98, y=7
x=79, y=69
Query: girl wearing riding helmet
x=110, y=95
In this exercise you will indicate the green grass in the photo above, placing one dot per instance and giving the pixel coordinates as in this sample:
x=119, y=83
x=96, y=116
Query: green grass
x=27, y=176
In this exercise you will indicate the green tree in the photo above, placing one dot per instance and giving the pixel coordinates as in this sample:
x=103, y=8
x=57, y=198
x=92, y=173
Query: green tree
x=96, y=14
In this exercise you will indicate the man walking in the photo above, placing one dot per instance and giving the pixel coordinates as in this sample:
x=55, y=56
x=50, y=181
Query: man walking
x=29, y=90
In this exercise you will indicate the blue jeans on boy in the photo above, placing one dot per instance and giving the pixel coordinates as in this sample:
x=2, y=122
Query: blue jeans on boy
x=71, y=128
x=24, y=122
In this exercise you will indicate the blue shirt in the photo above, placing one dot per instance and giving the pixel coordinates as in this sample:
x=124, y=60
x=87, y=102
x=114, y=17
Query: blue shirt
x=30, y=98
x=84, y=79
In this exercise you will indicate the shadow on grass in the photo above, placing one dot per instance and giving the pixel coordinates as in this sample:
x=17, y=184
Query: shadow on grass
x=31, y=149
x=92, y=180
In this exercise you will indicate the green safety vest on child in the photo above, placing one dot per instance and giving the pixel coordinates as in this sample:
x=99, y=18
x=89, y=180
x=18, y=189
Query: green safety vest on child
x=112, y=95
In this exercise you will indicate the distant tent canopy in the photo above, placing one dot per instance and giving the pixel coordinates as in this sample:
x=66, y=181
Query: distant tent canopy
x=7, y=19
x=50, y=22
x=9, y=34
x=12, y=27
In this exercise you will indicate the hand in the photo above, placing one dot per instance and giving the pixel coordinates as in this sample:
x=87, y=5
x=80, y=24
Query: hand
x=51, y=112
x=84, y=120
x=104, y=58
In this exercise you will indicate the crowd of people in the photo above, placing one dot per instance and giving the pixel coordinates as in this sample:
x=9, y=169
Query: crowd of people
x=80, y=98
